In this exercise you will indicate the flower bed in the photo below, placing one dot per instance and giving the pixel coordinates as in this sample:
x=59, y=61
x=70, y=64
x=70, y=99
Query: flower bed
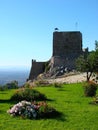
x=32, y=110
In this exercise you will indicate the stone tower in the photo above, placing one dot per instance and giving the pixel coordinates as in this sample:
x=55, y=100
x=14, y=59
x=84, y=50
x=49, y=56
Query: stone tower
x=67, y=46
x=66, y=43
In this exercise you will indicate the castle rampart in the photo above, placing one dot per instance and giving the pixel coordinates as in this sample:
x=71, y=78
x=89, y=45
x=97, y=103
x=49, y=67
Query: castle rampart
x=67, y=47
x=36, y=69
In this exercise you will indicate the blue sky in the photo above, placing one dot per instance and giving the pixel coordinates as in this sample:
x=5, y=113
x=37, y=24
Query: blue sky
x=26, y=27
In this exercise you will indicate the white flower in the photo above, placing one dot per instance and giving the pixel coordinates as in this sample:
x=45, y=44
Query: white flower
x=19, y=112
x=28, y=103
x=20, y=104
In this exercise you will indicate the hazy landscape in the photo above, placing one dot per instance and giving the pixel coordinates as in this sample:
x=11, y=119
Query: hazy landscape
x=8, y=75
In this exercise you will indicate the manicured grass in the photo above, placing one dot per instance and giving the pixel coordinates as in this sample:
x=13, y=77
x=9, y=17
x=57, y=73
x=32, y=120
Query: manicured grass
x=77, y=113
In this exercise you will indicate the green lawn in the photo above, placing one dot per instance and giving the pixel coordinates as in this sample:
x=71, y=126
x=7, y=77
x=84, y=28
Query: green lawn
x=77, y=113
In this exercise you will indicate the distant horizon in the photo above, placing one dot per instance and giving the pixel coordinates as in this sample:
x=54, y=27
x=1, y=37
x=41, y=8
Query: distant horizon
x=15, y=68
x=9, y=75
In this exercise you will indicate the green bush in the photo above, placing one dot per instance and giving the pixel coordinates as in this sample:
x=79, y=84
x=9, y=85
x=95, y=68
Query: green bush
x=90, y=89
x=57, y=85
x=11, y=85
x=40, y=83
x=28, y=94
x=1, y=88
x=26, y=85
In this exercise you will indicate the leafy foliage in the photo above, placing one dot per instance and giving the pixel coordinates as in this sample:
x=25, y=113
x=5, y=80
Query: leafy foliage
x=90, y=89
x=96, y=45
x=88, y=64
x=11, y=85
x=40, y=83
x=28, y=94
x=2, y=88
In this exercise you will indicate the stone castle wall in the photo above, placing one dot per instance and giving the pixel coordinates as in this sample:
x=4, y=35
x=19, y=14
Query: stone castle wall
x=57, y=61
x=67, y=43
x=36, y=69
x=67, y=47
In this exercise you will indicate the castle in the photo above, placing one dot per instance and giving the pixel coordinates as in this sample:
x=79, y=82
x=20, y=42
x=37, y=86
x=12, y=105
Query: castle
x=67, y=47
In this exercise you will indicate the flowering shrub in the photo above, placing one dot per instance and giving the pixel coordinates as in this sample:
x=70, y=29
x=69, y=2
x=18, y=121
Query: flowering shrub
x=32, y=110
x=90, y=88
x=28, y=94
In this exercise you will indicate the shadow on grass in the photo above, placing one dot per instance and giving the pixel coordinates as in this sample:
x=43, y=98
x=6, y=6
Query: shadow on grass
x=51, y=100
x=54, y=115
x=62, y=117
x=7, y=101
x=15, y=101
x=3, y=93
x=61, y=89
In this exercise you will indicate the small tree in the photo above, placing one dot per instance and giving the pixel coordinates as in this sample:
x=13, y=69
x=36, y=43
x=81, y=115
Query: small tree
x=96, y=45
x=89, y=64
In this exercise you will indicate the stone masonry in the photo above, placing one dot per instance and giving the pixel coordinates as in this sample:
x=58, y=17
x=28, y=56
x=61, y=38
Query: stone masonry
x=67, y=47
x=36, y=69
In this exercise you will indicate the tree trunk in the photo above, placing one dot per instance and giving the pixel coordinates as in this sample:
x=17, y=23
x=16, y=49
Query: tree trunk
x=89, y=74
